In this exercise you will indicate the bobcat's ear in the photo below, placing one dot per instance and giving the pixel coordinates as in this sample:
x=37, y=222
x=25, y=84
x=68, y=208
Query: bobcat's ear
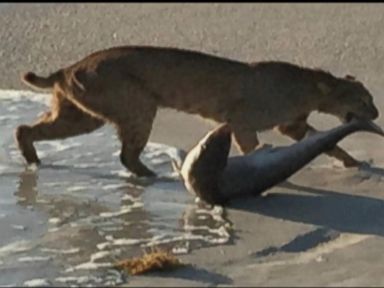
x=324, y=88
x=350, y=77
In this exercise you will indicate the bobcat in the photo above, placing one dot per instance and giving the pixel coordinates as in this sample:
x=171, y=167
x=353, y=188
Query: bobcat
x=125, y=86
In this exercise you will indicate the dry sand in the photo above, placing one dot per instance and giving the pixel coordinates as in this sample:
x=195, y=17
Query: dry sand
x=324, y=228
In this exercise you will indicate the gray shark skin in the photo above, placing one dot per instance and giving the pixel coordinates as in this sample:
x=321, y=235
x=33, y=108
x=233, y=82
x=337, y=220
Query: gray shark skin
x=208, y=173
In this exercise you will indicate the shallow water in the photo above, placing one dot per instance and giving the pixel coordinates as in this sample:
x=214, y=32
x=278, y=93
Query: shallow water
x=66, y=222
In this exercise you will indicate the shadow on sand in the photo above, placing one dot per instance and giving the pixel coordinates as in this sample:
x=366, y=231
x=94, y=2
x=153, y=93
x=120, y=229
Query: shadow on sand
x=372, y=170
x=333, y=212
x=330, y=209
x=193, y=273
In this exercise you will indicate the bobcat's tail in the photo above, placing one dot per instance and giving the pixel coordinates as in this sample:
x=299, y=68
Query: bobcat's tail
x=33, y=80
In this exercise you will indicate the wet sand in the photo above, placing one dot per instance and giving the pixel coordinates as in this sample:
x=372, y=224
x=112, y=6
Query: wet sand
x=325, y=227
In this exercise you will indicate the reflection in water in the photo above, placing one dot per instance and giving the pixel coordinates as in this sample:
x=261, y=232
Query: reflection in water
x=27, y=188
x=87, y=233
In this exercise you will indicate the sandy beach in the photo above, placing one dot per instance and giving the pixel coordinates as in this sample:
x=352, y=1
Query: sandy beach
x=322, y=228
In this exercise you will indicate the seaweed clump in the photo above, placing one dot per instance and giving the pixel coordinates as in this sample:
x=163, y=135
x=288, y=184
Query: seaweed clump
x=155, y=260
